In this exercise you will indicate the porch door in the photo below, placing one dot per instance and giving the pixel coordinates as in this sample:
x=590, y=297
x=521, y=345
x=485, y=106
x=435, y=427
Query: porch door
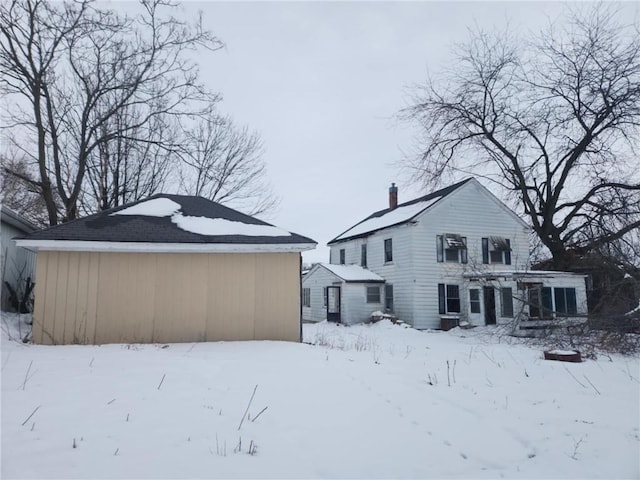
x=333, y=304
x=489, y=305
x=475, y=306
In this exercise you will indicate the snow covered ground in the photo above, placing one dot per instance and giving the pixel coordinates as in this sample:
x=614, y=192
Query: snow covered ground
x=370, y=401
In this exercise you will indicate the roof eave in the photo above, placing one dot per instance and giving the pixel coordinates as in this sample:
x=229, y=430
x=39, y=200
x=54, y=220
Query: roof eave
x=17, y=221
x=362, y=281
x=149, y=247
x=337, y=275
x=366, y=234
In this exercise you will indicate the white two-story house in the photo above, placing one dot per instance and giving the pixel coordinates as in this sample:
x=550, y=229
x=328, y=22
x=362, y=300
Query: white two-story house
x=456, y=255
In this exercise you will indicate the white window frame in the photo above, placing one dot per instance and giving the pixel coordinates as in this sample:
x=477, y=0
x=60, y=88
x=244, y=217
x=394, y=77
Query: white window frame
x=367, y=294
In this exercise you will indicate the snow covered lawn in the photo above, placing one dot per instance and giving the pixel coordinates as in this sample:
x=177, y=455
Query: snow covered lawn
x=376, y=401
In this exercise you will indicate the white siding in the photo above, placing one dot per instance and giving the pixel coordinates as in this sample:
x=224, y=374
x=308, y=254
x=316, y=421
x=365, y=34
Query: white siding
x=479, y=319
x=352, y=252
x=353, y=297
x=354, y=302
x=473, y=213
x=399, y=272
x=316, y=280
x=470, y=211
x=16, y=263
x=520, y=307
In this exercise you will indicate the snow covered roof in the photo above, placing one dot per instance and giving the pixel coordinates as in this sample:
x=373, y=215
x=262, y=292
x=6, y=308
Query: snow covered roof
x=388, y=217
x=166, y=222
x=352, y=273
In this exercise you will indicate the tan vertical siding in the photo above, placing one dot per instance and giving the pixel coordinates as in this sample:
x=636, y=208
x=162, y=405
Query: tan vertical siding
x=60, y=299
x=126, y=284
x=180, y=292
x=277, y=309
x=231, y=308
x=91, y=297
x=90, y=306
x=71, y=299
x=40, y=293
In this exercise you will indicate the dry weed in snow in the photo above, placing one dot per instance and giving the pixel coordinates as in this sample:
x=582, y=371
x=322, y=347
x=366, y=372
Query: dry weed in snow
x=370, y=401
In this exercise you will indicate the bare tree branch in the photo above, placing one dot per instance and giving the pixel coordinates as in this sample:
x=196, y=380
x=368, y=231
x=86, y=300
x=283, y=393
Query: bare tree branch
x=553, y=119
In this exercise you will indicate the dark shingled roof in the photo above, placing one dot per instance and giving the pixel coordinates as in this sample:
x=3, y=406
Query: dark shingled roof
x=105, y=227
x=437, y=194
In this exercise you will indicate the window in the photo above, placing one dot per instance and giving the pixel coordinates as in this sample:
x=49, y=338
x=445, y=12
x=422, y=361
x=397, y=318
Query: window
x=388, y=298
x=448, y=298
x=565, y=301
x=506, y=295
x=388, y=250
x=544, y=303
x=363, y=255
x=342, y=255
x=373, y=294
x=474, y=300
x=451, y=247
x=496, y=250
x=306, y=297
x=540, y=302
x=324, y=295
x=495, y=256
x=485, y=250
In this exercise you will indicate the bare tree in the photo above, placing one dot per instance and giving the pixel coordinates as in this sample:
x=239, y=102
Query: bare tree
x=31, y=41
x=18, y=194
x=223, y=162
x=84, y=71
x=124, y=169
x=553, y=120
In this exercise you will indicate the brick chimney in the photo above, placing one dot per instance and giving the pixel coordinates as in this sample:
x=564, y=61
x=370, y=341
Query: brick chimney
x=393, y=196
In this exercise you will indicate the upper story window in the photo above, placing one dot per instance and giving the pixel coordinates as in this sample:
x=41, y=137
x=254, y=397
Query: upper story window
x=496, y=250
x=388, y=250
x=342, y=256
x=363, y=255
x=451, y=247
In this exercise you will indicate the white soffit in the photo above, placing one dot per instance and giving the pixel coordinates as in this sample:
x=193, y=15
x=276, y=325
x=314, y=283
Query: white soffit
x=141, y=247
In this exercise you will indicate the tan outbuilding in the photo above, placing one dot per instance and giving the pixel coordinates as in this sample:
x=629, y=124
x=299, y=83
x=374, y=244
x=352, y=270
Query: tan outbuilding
x=168, y=269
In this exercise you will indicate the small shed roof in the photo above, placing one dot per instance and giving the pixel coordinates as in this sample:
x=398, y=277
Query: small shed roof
x=352, y=273
x=390, y=217
x=167, y=222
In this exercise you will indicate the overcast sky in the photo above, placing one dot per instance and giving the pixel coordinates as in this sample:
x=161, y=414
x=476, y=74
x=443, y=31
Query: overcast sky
x=322, y=82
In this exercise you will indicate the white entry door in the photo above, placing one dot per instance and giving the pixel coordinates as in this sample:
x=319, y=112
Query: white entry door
x=475, y=306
